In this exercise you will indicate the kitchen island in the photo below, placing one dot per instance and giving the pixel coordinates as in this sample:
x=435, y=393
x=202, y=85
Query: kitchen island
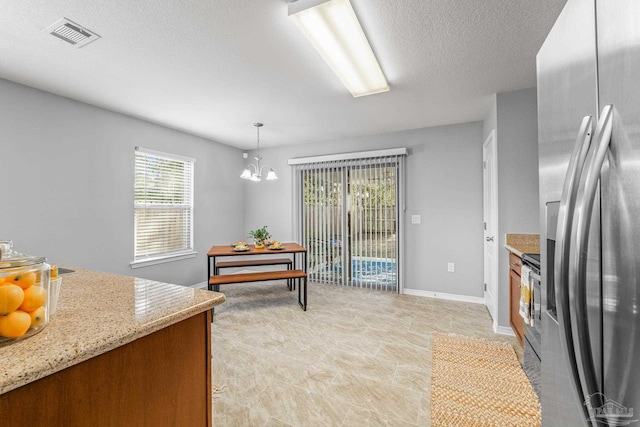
x=118, y=351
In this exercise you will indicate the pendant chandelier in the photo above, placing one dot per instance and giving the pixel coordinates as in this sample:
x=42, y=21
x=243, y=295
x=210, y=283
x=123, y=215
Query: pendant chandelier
x=253, y=172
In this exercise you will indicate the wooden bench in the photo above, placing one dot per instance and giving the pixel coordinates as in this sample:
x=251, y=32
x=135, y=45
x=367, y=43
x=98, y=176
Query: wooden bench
x=256, y=263
x=263, y=276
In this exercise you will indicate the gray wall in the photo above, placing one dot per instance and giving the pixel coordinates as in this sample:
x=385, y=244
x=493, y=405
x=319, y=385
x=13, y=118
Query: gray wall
x=444, y=185
x=67, y=184
x=516, y=124
x=67, y=175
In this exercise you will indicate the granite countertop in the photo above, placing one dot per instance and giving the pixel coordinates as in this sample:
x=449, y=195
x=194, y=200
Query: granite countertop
x=521, y=244
x=98, y=312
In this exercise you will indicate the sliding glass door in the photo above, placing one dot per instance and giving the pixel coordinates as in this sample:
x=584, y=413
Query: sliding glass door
x=373, y=226
x=349, y=221
x=323, y=224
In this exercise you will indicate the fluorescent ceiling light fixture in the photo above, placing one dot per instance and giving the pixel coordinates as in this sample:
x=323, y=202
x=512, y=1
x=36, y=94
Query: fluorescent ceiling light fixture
x=333, y=29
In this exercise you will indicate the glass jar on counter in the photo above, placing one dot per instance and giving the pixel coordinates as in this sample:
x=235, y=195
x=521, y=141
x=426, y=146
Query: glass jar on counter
x=24, y=294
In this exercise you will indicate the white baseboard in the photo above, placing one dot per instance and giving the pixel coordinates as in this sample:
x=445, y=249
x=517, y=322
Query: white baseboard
x=503, y=330
x=442, y=295
x=201, y=285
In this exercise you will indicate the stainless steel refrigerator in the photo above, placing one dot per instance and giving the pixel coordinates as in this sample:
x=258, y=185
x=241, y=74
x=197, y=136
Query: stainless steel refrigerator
x=589, y=148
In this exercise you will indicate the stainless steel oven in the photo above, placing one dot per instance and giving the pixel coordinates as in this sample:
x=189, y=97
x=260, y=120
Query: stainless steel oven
x=532, y=333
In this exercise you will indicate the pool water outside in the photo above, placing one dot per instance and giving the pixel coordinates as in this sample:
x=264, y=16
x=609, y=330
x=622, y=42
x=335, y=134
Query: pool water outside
x=367, y=271
x=376, y=271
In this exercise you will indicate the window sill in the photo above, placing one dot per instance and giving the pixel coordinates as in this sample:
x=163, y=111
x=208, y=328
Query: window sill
x=147, y=262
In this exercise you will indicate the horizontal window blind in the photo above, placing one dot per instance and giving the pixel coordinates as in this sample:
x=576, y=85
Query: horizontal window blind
x=163, y=196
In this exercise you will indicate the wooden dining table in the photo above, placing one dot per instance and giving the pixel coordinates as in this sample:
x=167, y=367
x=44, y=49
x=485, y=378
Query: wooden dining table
x=218, y=251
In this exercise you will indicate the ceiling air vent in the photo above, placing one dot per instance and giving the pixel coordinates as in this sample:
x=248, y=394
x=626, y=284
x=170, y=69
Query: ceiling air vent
x=71, y=32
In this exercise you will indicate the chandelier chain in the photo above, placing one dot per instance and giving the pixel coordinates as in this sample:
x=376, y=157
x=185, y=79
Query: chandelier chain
x=258, y=126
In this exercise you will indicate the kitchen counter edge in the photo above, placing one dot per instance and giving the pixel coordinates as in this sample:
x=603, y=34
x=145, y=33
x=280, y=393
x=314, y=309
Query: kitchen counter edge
x=98, y=312
x=521, y=244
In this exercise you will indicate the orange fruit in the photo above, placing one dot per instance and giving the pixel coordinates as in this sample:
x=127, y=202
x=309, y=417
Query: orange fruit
x=24, y=280
x=1, y=280
x=11, y=296
x=15, y=324
x=37, y=316
x=34, y=297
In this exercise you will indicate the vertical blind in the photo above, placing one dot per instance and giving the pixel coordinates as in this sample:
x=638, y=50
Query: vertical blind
x=163, y=198
x=347, y=211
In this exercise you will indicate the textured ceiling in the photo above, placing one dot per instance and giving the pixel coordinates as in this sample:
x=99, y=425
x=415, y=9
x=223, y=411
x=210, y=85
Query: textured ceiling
x=214, y=67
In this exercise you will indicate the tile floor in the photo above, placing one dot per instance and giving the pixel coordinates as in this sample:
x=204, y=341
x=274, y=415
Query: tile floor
x=354, y=358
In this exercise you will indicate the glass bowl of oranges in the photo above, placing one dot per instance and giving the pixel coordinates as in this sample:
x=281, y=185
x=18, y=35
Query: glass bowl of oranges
x=24, y=294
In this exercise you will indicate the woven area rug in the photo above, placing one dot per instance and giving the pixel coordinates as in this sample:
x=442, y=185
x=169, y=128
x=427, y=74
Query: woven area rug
x=477, y=382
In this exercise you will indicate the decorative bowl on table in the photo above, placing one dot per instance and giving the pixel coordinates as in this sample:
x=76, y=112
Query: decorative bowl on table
x=275, y=245
x=260, y=236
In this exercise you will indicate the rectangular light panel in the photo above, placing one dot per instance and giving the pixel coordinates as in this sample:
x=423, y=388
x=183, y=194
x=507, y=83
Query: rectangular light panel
x=333, y=29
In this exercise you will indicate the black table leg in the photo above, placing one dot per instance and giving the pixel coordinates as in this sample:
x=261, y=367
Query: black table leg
x=208, y=271
x=212, y=260
x=302, y=300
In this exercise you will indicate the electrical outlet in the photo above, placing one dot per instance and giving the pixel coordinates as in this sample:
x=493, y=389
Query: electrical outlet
x=451, y=267
x=416, y=219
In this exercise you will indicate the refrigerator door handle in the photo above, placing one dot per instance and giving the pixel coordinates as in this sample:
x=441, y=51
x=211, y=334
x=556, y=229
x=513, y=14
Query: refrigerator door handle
x=578, y=264
x=562, y=254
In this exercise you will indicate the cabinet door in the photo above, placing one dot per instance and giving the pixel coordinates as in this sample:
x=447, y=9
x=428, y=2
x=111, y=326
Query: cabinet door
x=162, y=379
x=515, y=319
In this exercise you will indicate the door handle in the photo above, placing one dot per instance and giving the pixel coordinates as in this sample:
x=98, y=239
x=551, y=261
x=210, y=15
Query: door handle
x=489, y=239
x=562, y=256
x=578, y=254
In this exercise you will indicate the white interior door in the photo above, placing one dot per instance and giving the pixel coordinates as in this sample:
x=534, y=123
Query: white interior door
x=490, y=199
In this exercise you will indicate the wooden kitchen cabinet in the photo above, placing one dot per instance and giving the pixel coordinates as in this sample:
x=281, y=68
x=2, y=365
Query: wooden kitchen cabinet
x=162, y=379
x=516, y=321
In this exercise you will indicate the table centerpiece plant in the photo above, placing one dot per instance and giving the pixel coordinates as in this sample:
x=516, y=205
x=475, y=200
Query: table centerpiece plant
x=260, y=236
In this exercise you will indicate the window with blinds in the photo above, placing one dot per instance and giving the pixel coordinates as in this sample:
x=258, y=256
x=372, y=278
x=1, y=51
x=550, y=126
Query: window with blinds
x=163, y=198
